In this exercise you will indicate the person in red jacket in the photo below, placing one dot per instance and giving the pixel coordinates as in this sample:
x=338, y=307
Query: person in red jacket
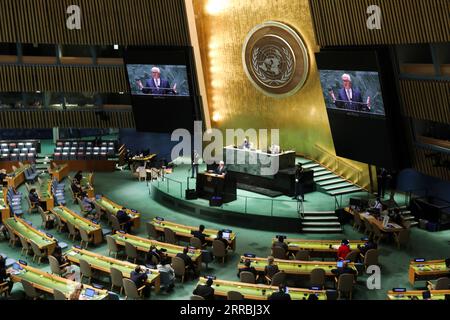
x=343, y=250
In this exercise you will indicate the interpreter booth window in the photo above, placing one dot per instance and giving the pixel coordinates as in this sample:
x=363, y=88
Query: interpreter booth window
x=11, y=100
x=432, y=133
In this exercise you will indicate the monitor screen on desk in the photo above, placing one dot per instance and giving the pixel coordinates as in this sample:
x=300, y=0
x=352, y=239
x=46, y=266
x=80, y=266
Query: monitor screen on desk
x=340, y=264
x=226, y=235
x=89, y=292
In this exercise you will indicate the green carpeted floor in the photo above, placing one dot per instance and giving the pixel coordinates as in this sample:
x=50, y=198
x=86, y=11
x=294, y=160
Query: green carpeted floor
x=121, y=187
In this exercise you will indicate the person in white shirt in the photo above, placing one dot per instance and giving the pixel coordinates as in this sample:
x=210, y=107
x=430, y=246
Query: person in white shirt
x=167, y=276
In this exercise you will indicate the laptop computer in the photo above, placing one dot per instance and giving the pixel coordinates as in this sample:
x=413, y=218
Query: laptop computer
x=340, y=264
x=89, y=292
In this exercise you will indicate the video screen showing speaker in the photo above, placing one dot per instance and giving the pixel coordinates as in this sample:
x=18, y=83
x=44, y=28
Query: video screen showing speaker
x=158, y=80
x=358, y=94
x=350, y=90
x=162, y=86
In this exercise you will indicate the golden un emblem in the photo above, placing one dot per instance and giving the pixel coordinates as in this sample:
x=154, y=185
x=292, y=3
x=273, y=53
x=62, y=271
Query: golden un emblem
x=275, y=59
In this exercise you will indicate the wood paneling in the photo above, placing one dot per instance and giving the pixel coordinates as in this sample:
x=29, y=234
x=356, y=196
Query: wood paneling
x=66, y=119
x=426, y=100
x=343, y=22
x=426, y=164
x=103, y=22
x=19, y=78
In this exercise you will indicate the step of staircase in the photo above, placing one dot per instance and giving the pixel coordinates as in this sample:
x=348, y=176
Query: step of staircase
x=345, y=191
x=310, y=165
x=320, y=218
x=319, y=169
x=336, y=186
x=413, y=223
x=318, y=213
x=325, y=177
x=322, y=230
x=321, y=224
x=408, y=218
x=330, y=181
x=322, y=173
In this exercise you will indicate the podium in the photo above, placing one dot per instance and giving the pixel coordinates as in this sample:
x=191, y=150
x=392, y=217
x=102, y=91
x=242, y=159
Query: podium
x=212, y=185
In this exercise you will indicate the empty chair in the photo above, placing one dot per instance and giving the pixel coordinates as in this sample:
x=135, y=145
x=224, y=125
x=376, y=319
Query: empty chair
x=59, y=224
x=442, y=283
x=38, y=253
x=131, y=291
x=151, y=231
x=116, y=279
x=371, y=258
x=43, y=217
x=317, y=278
x=402, y=237
x=112, y=246
x=116, y=226
x=219, y=250
x=368, y=228
x=85, y=238
x=85, y=270
x=247, y=277
x=169, y=236
x=302, y=255
x=345, y=285
x=30, y=290
x=234, y=295
x=278, y=252
x=73, y=233
x=195, y=242
x=352, y=255
x=196, y=297
x=278, y=278
x=179, y=267
x=378, y=235
x=55, y=267
x=13, y=239
x=59, y=295
x=31, y=206
x=131, y=252
x=26, y=248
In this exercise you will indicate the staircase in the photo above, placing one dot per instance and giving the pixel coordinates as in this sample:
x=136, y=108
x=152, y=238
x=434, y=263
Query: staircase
x=321, y=222
x=40, y=159
x=330, y=183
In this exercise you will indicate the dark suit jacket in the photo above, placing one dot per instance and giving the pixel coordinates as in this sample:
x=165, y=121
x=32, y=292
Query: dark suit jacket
x=219, y=170
x=164, y=87
x=199, y=235
x=270, y=270
x=337, y=272
x=281, y=244
x=122, y=216
x=279, y=296
x=356, y=97
x=187, y=260
x=204, y=291
x=138, y=278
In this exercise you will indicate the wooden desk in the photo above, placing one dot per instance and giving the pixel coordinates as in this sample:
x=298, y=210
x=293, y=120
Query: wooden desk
x=112, y=207
x=143, y=245
x=104, y=264
x=295, y=267
x=18, y=177
x=45, y=194
x=259, y=291
x=89, y=165
x=4, y=207
x=61, y=172
x=390, y=228
x=29, y=233
x=427, y=270
x=408, y=295
x=318, y=248
x=49, y=282
x=79, y=222
x=184, y=231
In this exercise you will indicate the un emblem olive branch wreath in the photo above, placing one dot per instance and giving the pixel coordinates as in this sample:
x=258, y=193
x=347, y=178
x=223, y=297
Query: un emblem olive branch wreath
x=285, y=76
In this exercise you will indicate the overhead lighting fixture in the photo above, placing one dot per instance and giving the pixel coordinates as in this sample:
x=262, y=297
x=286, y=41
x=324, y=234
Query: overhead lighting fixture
x=116, y=47
x=121, y=92
x=38, y=91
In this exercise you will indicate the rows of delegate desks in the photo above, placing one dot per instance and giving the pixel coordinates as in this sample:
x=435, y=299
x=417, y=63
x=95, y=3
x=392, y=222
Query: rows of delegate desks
x=318, y=248
x=111, y=207
x=294, y=267
x=93, y=229
x=104, y=264
x=417, y=295
x=390, y=228
x=143, y=245
x=25, y=230
x=49, y=282
x=184, y=231
x=427, y=270
x=259, y=291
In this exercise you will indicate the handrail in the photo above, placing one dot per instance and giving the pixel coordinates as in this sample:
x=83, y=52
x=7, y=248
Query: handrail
x=338, y=158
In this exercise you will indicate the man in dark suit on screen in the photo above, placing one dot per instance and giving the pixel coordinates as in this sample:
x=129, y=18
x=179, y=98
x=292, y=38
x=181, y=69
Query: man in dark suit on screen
x=348, y=97
x=156, y=85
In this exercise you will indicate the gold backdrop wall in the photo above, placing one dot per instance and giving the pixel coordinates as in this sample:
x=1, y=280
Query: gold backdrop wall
x=234, y=102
